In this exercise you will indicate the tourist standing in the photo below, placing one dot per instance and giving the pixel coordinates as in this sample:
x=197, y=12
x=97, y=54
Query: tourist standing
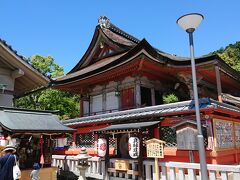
x=7, y=162
x=35, y=172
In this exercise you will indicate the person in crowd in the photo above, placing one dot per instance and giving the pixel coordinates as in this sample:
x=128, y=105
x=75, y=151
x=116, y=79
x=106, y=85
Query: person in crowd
x=7, y=162
x=22, y=160
x=35, y=172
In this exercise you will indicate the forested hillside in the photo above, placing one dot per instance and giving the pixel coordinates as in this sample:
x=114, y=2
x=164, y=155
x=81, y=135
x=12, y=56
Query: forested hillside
x=231, y=55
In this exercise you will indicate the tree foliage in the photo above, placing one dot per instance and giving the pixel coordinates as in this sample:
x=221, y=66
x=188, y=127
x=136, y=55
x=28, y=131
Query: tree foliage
x=46, y=65
x=50, y=99
x=170, y=98
x=231, y=55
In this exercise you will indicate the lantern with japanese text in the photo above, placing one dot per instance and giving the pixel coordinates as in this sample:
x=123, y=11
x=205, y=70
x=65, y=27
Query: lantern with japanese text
x=134, y=147
x=101, y=147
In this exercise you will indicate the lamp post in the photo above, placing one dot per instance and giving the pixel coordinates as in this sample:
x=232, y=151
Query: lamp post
x=189, y=23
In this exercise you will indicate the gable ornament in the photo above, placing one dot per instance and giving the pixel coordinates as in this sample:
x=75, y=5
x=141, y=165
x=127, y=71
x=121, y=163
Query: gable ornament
x=104, y=22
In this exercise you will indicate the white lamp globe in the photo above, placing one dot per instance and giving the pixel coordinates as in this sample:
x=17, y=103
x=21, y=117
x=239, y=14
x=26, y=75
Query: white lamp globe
x=190, y=22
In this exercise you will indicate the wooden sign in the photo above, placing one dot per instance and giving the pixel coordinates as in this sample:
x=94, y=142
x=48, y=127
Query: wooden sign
x=155, y=148
x=223, y=134
x=186, y=131
x=187, y=137
x=237, y=133
x=121, y=165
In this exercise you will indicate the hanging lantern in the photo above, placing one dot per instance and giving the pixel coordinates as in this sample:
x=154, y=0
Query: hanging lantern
x=102, y=147
x=134, y=147
x=3, y=141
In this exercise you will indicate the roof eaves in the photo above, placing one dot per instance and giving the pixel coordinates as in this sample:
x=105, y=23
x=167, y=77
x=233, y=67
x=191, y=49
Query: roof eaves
x=218, y=104
x=226, y=68
x=3, y=108
x=166, y=109
x=123, y=33
x=156, y=110
x=23, y=60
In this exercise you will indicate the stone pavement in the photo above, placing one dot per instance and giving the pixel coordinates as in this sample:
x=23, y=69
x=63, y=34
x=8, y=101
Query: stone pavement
x=45, y=174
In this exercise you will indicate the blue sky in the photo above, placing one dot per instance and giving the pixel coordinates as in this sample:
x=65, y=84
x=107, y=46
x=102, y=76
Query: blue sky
x=64, y=29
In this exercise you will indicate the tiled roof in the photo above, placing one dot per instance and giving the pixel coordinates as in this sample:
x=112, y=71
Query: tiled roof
x=152, y=111
x=21, y=120
x=108, y=25
x=91, y=68
x=20, y=56
x=129, y=126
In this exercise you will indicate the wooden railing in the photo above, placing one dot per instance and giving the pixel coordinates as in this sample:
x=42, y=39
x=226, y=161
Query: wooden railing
x=189, y=171
x=95, y=170
x=169, y=170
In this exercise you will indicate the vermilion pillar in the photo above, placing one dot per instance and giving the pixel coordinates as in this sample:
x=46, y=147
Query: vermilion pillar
x=156, y=133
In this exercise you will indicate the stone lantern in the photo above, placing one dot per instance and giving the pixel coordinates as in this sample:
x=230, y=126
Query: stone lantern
x=82, y=158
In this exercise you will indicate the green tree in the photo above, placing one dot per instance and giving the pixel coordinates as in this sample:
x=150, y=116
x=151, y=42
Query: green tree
x=170, y=98
x=50, y=99
x=231, y=55
x=46, y=65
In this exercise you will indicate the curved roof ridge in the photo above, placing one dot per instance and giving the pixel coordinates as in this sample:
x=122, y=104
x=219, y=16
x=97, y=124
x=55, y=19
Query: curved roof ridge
x=104, y=22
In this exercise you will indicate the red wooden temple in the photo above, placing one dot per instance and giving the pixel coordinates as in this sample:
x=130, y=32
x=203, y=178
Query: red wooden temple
x=122, y=81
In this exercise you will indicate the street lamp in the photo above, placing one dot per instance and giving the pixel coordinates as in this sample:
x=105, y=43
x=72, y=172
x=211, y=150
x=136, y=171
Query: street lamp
x=189, y=23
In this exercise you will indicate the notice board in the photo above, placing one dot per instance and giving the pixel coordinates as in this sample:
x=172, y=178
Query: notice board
x=223, y=134
x=237, y=133
x=155, y=148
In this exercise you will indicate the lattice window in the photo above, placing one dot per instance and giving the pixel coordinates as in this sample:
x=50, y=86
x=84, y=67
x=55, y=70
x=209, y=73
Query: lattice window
x=168, y=135
x=204, y=132
x=85, y=140
x=113, y=143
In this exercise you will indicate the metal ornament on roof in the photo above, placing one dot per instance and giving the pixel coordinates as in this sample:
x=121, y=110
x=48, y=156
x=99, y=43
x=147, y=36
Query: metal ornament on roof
x=104, y=22
x=134, y=147
x=101, y=147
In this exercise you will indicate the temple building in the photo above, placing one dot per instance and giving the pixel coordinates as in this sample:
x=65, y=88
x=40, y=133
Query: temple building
x=123, y=81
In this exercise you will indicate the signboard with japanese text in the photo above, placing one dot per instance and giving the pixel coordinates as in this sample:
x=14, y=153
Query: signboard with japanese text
x=223, y=134
x=155, y=148
x=121, y=165
x=237, y=133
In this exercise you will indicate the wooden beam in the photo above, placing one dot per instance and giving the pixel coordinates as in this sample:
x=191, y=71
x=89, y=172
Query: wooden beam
x=219, y=86
x=81, y=106
x=107, y=158
x=138, y=93
x=140, y=159
x=132, y=172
